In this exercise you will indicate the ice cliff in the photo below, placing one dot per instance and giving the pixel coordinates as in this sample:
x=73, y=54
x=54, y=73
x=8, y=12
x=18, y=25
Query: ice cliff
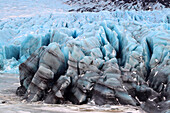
x=120, y=57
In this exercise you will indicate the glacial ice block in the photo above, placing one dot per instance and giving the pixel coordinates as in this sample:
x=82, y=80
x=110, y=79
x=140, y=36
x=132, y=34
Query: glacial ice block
x=1, y=58
x=11, y=51
x=109, y=58
x=32, y=43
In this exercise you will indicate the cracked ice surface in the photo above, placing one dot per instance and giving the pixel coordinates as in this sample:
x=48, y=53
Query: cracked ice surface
x=119, y=57
x=15, y=31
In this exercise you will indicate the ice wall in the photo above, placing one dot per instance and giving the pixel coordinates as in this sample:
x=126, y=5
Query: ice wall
x=119, y=57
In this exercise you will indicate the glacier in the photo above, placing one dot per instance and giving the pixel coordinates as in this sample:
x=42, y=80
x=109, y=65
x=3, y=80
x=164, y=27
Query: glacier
x=120, y=57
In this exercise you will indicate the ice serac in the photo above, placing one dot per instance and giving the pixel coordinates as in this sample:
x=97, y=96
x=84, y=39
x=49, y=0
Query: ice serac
x=51, y=66
x=8, y=52
x=109, y=61
x=27, y=70
x=1, y=58
x=159, y=77
x=31, y=44
x=109, y=88
x=11, y=51
x=111, y=35
x=62, y=35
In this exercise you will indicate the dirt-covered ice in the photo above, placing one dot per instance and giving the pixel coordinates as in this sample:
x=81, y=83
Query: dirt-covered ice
x=35, y=20
x=10, y=103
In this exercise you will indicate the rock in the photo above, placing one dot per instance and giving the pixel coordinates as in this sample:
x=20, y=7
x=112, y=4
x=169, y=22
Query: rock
x=111, y=5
